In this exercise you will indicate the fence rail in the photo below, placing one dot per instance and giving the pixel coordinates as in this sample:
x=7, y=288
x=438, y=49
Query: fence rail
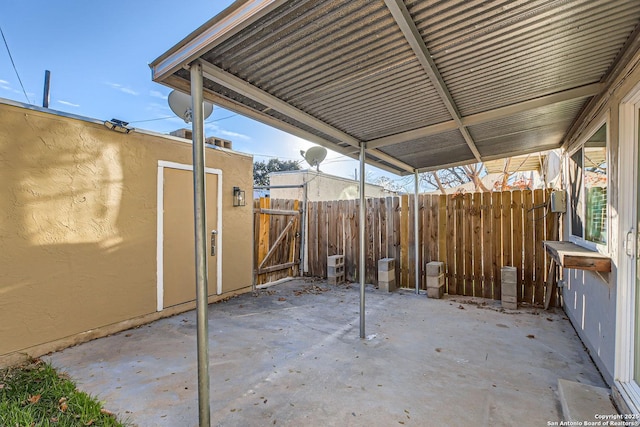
x=475, y=235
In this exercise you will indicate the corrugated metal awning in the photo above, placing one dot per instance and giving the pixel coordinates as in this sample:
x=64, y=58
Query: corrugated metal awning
x=422, y=84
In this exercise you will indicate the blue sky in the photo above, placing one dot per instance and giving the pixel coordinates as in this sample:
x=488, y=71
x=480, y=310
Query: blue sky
x=98, y=54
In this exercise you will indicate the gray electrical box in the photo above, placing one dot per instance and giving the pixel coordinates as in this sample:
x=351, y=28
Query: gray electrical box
x=558, y=201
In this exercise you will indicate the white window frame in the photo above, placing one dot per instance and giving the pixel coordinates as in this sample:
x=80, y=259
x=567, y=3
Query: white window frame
x=581, y=241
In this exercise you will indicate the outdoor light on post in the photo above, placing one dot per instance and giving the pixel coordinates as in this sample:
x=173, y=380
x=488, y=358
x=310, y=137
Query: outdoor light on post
x=238, y=197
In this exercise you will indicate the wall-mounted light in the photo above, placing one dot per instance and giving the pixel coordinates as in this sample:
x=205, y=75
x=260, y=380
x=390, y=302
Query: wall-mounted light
x=118, y=126
x=238, y=197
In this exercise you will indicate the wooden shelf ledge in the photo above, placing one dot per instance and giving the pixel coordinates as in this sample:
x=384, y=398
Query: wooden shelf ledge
x=570, y=255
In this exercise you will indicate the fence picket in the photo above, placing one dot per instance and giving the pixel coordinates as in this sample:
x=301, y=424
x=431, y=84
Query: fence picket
x=396, y=236
x=425, y=235
x=476, y=223
x=442, y=228
x=506, y=228
x=371, y=232
x=451, y=236
x=496, y=231
x=487, y=247
x=529, y=258
x=411, y=250
x=517, y=228
x=539, y=231
x=404, y=235
x=351, y=258
x=434, y=253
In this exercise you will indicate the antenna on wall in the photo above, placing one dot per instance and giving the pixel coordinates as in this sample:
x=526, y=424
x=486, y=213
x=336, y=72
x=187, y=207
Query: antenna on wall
x=314, y=156
x=180, y=104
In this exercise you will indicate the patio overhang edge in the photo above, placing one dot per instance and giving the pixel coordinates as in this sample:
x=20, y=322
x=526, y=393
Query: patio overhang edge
x=221, y=27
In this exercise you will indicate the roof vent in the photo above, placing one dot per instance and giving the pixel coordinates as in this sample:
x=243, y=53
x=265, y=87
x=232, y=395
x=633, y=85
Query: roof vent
x=219, y=142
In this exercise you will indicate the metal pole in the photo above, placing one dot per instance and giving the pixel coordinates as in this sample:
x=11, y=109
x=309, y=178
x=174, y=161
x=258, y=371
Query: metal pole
x=415, y=231
x=303, y=232
x=361, y=226
x=47, y=85
x=200, y=226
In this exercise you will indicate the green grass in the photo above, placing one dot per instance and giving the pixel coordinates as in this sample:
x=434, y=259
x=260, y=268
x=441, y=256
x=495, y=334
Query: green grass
x=34, y=394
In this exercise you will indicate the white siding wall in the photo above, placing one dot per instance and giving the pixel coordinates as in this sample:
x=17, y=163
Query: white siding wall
x=590, y=304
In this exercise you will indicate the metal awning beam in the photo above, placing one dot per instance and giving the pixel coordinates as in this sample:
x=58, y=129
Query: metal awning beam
x=408, y=27
x=543, y=101
x=412, y=135
x=487, y=116
x=389, y=159
x=213, y=73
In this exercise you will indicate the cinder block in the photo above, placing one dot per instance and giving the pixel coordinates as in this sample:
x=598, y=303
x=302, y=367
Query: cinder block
x=510, y=299
x=435, y=281
x=335, y=280
x=335, y=260
x=435, y=293
x=509, y=287
x=386, y=276
x=509, y=290
x=386, y=264
x=510, y=305
x=335, y=271
x=435, y=268
x=509, y=302
x=509, y=275
x=387, y=286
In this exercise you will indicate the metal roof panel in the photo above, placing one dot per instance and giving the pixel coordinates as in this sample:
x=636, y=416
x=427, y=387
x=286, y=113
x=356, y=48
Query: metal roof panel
x=411, y=73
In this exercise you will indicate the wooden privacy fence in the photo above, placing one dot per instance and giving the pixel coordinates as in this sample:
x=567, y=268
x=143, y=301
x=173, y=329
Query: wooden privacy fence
x=474, y=234
x=277, y=239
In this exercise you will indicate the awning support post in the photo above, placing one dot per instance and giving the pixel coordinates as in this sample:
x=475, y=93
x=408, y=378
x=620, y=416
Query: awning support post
x=200, y=231
x=416, y=239
x=361, y=271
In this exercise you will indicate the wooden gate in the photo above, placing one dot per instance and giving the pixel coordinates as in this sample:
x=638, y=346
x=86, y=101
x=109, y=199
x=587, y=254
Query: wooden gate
x=276, y=225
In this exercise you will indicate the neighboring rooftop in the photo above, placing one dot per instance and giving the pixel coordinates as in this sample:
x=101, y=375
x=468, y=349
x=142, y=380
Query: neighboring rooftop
x=321, y=186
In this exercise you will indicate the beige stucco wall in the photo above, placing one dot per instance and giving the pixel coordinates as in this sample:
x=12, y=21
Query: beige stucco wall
x=78, y=215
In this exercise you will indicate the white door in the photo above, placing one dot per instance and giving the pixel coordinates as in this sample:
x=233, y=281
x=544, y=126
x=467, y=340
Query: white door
x=176, y=241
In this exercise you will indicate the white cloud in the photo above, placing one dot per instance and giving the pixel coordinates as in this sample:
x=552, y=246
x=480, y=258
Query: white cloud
x=157, y=94
x=123, y=89
x=211, y=126
x=231, y=134
x=5, y=85
x=129, y=91
x=158, y=106
x=67, y=103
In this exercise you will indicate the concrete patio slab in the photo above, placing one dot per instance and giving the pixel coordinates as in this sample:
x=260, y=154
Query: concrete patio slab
x=291, y=355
